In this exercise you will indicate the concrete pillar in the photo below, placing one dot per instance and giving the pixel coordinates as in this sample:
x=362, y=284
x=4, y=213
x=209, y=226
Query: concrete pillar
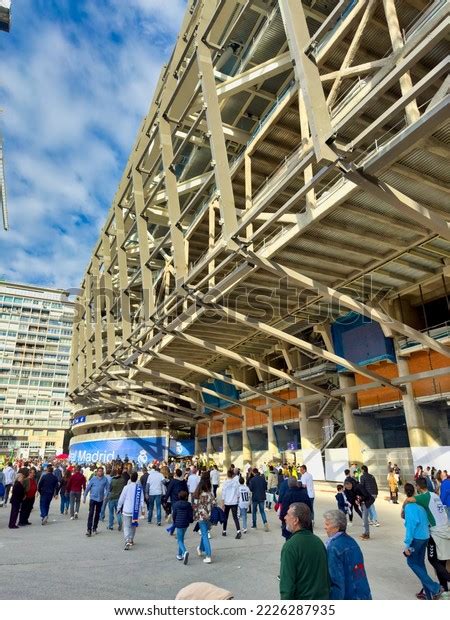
x=420, y=433
x=272, y=446
x=246, y=448
x=208, y=441
x=354, y=444
x=226, y=446
x=196, y=441
x=311, y=431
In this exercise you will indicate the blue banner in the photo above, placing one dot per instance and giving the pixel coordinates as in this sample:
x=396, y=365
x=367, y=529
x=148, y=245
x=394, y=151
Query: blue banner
x=181, y=448
x=142, y=450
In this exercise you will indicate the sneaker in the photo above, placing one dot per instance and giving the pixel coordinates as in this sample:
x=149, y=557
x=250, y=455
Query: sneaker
x=365, y=537
x=119, y=529
x=94, y=531
x=421, y=595
x=207, y=560
x=376, y=524
x=127, y=546
x=66, y=511
x=253, y=527
x=371, y=522
x=72, y=518
x=238, y=535
x=89, y=533
x=180, y=557
x=245, y=531
x=437, y=596
x=110, y=528
x=224, y=533
x=158, y=524
x=209, y=535
x=199, y=552
x=76, y=515
x=266, y=527
x=44, y=520
x=186, y=558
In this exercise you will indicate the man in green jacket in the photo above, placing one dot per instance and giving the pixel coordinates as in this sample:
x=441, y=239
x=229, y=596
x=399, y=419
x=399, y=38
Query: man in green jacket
x=304, y=568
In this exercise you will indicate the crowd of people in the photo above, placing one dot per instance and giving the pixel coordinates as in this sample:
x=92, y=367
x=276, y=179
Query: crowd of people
x=181, y=494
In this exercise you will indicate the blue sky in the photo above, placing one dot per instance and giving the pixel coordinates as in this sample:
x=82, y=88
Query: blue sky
x=76, y=79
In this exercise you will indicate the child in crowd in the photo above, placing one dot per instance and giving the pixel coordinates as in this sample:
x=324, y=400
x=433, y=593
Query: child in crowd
x=343, y=504
x=183, y=516
x=244, y=502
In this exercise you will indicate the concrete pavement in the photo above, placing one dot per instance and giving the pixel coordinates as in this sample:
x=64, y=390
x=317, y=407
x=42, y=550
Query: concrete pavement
x=58, y=561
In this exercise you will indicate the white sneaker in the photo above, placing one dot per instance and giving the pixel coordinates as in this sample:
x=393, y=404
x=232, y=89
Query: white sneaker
x=245, y=531
x=199, y=552
x=207, y=560
x=76, y=515
x=376, y=524
x=209, y=534
x=72, y=518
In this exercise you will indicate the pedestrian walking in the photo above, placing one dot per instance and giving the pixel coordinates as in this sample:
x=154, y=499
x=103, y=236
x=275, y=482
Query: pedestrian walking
x=97, y=489
x=364, y=500
x=131, y=505
x=345, y=561
x=308, y=483
x=215, y=479
x=64, y=493
x=370, y=484
x=204, y=501
x=108, y=476
x=416, y=538
x=17, y=496
x=10, y=477
x=115, y=489
x=303, y=566
x=47, y=489
x=28, y=501
x=393, y=486
x=174, y=487
x=294, y=495
x=154, y=491
x=183, y=516
x=258, y=489
x=75, y=486
x=342, y=502
x=230, y=502
x=272, y=485
x=244, y=503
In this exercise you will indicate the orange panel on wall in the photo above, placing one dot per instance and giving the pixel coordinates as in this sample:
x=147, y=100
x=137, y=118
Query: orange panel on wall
x=378, y=395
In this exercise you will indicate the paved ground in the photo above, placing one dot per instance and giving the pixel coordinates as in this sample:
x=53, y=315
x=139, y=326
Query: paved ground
x=59, y=562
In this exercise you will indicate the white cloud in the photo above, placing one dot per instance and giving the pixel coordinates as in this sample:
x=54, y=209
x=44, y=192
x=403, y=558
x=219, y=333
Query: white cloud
x=74, y=88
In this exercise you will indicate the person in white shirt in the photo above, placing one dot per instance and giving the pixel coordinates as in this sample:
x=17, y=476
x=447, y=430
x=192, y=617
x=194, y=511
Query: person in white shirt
x=10, y=475
x=131, y=505
x=154, y=490
x=214, y=476
x=307, y=481
x=230, y=501
x=193, y=481
x=244, y=503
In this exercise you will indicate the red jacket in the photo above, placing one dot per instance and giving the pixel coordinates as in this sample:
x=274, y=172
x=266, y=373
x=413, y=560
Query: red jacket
x=76, y=483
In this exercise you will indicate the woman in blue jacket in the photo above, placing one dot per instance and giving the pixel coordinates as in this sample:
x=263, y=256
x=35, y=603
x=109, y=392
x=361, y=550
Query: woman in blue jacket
x=345, y=561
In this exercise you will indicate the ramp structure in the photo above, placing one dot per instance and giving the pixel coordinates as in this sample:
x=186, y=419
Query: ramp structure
x=291, y=177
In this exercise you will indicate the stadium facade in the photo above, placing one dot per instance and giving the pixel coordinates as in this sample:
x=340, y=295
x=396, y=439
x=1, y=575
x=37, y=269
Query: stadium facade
x=273, y=276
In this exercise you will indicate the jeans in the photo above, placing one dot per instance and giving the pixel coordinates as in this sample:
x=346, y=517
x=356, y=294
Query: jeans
x=94, y=514
x=44, y=504
x=365, y=518
x=65, y=500
x=128, y=530
x=112, y=505
x=103, y=510
x=215, y=487
x=233, y=509
x=205, y=545
x=75, y=498
x=181, y=531
x=416, y=562
x=372, y=512
x=243, y=517
x=152, y=499
x=273, y=491
x=255, y=506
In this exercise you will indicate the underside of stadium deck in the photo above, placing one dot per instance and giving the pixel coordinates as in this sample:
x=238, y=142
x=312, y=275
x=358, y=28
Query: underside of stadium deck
x=274, y=273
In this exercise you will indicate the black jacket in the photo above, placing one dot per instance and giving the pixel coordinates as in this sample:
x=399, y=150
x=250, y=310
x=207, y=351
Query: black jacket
x=17, y=493
x=182, y=513
x=258, y=487
x=293, y=495
x=369, y=483
x=365, y=497
x=48, y=483
x=175, y=486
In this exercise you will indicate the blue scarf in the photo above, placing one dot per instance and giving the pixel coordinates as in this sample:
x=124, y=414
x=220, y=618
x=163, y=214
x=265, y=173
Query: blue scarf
x=136, y=506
